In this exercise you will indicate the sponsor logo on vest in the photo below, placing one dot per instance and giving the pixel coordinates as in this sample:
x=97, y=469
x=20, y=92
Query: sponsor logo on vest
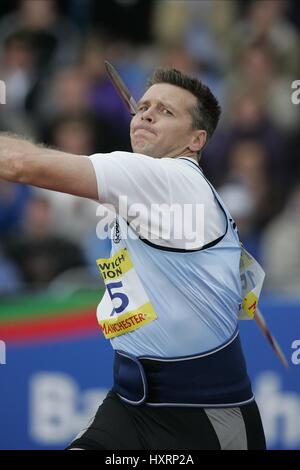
x=113, y=269
x=116, y=234
x=123, y=324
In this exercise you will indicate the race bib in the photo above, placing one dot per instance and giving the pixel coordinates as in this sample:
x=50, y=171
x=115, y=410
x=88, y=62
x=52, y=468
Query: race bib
x=125, y=305
x=252, y=278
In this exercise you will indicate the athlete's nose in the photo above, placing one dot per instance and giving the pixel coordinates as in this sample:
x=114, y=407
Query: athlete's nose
x=147, y=115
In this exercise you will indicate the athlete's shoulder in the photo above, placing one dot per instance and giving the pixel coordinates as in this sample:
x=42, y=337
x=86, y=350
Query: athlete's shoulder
x=121, y=154
x=123, y=157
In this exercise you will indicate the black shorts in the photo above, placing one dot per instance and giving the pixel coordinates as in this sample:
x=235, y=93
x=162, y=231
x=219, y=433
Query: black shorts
x=119, y=426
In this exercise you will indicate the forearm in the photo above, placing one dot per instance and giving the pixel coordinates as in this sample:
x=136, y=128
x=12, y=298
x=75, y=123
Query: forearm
x=22, y=161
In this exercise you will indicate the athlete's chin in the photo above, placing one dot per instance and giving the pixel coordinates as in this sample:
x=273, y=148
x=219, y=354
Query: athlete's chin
x=144, y=148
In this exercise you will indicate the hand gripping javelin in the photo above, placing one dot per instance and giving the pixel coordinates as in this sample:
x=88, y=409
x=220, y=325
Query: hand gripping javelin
x=132, y=108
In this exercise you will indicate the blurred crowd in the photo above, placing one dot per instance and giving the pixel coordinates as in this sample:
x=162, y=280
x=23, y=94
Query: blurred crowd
x=57, y=92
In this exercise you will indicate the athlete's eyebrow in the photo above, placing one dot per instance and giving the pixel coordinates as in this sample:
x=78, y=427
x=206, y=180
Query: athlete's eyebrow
x=139, y=103
x=167, y=105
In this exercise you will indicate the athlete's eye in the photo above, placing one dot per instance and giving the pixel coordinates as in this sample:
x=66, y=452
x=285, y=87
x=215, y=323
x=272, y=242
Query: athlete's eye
x=167, y=112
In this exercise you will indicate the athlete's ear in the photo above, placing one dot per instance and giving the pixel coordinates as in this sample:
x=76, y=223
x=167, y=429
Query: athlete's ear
x=198, y=140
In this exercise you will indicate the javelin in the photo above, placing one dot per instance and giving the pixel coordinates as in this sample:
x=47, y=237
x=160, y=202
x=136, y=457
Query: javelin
x=121, y=88
x=132, y=107
x=268, y=335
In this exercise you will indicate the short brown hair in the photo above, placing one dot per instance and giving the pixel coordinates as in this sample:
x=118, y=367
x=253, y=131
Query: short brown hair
x=206, y=114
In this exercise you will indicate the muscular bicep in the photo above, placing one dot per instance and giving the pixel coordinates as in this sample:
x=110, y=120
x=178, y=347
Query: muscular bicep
x=59, y=171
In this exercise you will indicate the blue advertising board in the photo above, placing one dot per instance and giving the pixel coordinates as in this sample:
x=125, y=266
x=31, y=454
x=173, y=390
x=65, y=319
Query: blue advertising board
x=50, y=389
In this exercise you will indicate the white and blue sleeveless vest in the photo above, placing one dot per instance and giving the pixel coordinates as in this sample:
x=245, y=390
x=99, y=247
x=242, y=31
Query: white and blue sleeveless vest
x=196, y=294
x=190, y=355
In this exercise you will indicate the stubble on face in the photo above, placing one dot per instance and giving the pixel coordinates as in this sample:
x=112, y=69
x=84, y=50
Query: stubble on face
x=141, y=144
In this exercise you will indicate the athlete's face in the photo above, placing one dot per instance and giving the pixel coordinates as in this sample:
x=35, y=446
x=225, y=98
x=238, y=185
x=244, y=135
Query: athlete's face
x=162, y=126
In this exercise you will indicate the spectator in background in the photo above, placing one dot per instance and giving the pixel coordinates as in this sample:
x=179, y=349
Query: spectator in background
x=248, y=191
x=259, y=69
x=126, y=21
x=179, y=57
x=72, y=217
x=58, y=36
x=18, y=70
x=35, y=40
x=13, y=201
x=170, y=20
x=39, y=254
x=280, y=244
x=75, y=133
x=192, y=33
x=248, y=163
x=58, y=91
x=65, y=92
x=10, y=277
x=246, y=119
x=84, y=89
x=202, y=36
x=202, y=28
x=249, y=119
x=267, y=20
x=103, y=99
x=238, y=198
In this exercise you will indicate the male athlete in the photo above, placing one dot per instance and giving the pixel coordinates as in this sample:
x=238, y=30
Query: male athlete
x=173, y=287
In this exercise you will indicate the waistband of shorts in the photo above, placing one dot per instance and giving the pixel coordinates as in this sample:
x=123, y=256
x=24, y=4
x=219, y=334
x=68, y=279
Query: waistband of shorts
x=217, y=378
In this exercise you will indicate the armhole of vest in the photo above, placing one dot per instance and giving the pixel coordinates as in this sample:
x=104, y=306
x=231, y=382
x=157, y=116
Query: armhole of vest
x=204, y=247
